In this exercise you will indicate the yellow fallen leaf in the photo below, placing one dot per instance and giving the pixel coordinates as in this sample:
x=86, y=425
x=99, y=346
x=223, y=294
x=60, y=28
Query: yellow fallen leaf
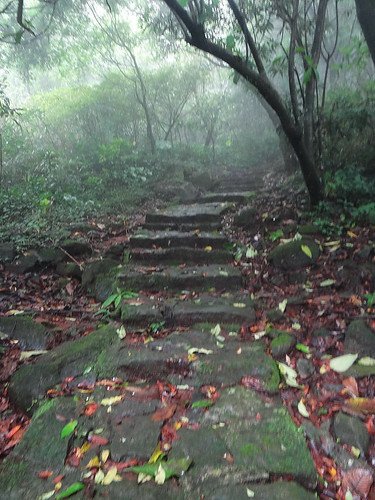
x=110, y=476
x=104, y=456
x=155, y=455
x=208, y=248
x=239, y=305
x=94, y=462
x=351, y=234
x=111, y=401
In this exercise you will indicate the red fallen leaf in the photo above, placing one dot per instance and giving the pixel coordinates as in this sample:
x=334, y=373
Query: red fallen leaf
x=229, y=457
x=358, y=481
x=58, y=479
x=370, y=426
x=168, y=434
x=15, y=439
x=120, y=466
x=74, y=459
x=45, y=474
x=351, y=386
x=96, y=440
x=109, y=382
x=90, y=409
x=164, y=413
x=12, y=432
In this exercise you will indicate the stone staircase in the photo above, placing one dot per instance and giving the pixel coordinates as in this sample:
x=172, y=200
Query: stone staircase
x=186, y=396
x=181, y=253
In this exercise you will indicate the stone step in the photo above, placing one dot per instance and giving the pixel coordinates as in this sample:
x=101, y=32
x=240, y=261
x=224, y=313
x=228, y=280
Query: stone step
x=227, y=197
x=173, y=239
x=231, y=309
x=181, y=255
x=199, y=278
x=191, y=214
x=182, y=227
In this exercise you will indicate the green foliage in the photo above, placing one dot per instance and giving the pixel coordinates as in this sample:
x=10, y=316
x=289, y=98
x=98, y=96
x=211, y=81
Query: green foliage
x=348, y=129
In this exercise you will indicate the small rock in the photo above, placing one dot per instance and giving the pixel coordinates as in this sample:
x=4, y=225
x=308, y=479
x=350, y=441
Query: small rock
x=31, y=335
x=7, y=252
x=76, y=247
x=305, y=368
x=274, y=314
x=50, y=256
x=69, y=269
x=246, y=218
x=351, y=430
x=308, y=229
x=289, y=256
x=25, y=264
x=95, y=269
x=359, y=339
x=282, y=344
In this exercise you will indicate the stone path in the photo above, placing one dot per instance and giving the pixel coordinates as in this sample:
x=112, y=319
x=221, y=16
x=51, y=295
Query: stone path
x=183, y=394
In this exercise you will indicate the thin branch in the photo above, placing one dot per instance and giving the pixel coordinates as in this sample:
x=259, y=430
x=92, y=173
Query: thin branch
x=248, y=37
x=20, y=18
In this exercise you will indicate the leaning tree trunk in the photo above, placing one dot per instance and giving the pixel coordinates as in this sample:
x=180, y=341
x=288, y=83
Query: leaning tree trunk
x=366, y=18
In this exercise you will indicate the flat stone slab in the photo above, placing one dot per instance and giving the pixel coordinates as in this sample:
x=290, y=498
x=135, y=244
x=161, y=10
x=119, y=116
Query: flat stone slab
x=198, y=212
x=257, y=432
x=167, y=239
x=177, y=256
x=229, y=197
x=231, y=309
x=102, y=355
x=187, y=278
x=182, y=226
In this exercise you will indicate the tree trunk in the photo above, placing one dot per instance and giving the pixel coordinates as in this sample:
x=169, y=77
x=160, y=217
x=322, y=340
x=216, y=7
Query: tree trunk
x=366, y=18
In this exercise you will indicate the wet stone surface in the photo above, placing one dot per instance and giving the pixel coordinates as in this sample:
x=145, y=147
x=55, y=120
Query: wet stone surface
x=179, y=397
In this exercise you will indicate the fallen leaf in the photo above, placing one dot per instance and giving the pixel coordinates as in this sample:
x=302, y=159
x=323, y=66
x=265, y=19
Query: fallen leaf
x=93, y=463
x=45, y=474
x=110, y=476
x=111, y=401
x=366, y=361
x=358, y=481
x=164, y=413
x=289, y=374
x=90, y=409
x=121, y=332
x=306, y=250
x=208, y=248
x=326, y=283
x=361, y=405
x=239, y=305
x=160, y=475
x=73, y=488
x=98, y=440
x=29, y=354
x=282, y=305
x=302, y=409
x=203, y=403
x=342, y=363
x=68, y=429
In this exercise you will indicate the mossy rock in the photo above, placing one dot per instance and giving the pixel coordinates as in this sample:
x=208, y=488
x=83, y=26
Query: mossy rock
x=69, y=270
x=98, y=278
x=30, y=382
x=246, y=217
x=290, y=256
x=76, y=247
x=41, y=448
x=30, y=335
x=282, y=343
